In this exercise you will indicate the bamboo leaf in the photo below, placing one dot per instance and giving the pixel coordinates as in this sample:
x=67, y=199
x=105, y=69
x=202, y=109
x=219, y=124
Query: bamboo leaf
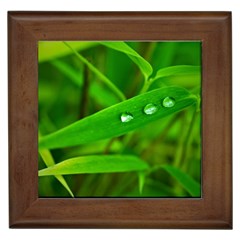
x=49, y=161
x=181, y=75
x=143, y=65
x=187, y=182
x=180, y=70
x=107, y=123
x=96, y=164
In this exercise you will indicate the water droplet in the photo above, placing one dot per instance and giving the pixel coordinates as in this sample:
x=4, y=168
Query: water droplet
x=150, y=109
x=126, y=117
x=168, y=102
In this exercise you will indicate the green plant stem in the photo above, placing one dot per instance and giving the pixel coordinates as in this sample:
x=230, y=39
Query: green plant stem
x=146, y=85
x=102, y=77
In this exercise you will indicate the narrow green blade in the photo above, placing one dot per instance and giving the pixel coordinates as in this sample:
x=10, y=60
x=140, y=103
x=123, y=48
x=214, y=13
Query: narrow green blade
x=49, y=161
x=107, y=123
x=96, y=164
x=180, y=70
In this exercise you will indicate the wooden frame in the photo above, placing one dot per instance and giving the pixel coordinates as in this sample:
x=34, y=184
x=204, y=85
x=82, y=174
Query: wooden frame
x=213, y=210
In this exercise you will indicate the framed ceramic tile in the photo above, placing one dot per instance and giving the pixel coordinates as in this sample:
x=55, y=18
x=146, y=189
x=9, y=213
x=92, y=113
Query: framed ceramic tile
x=120, y=119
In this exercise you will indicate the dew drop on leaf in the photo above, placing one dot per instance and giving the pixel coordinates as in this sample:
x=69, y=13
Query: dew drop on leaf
x=126, y=117
x=150, y=109
x=168, y=102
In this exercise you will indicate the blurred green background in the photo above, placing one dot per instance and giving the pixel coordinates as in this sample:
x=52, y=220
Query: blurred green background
x=69, y=91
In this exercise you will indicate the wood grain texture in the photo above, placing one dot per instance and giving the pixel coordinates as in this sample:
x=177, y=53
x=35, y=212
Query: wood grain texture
x=213, y=210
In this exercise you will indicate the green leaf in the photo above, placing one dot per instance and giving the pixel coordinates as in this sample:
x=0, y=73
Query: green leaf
x=180, y=70
x=49, y=161
x=96, y=164
x=48, y=50
x=143, y=65
x=182, y=75
x=107, y=123
x=187, y=182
